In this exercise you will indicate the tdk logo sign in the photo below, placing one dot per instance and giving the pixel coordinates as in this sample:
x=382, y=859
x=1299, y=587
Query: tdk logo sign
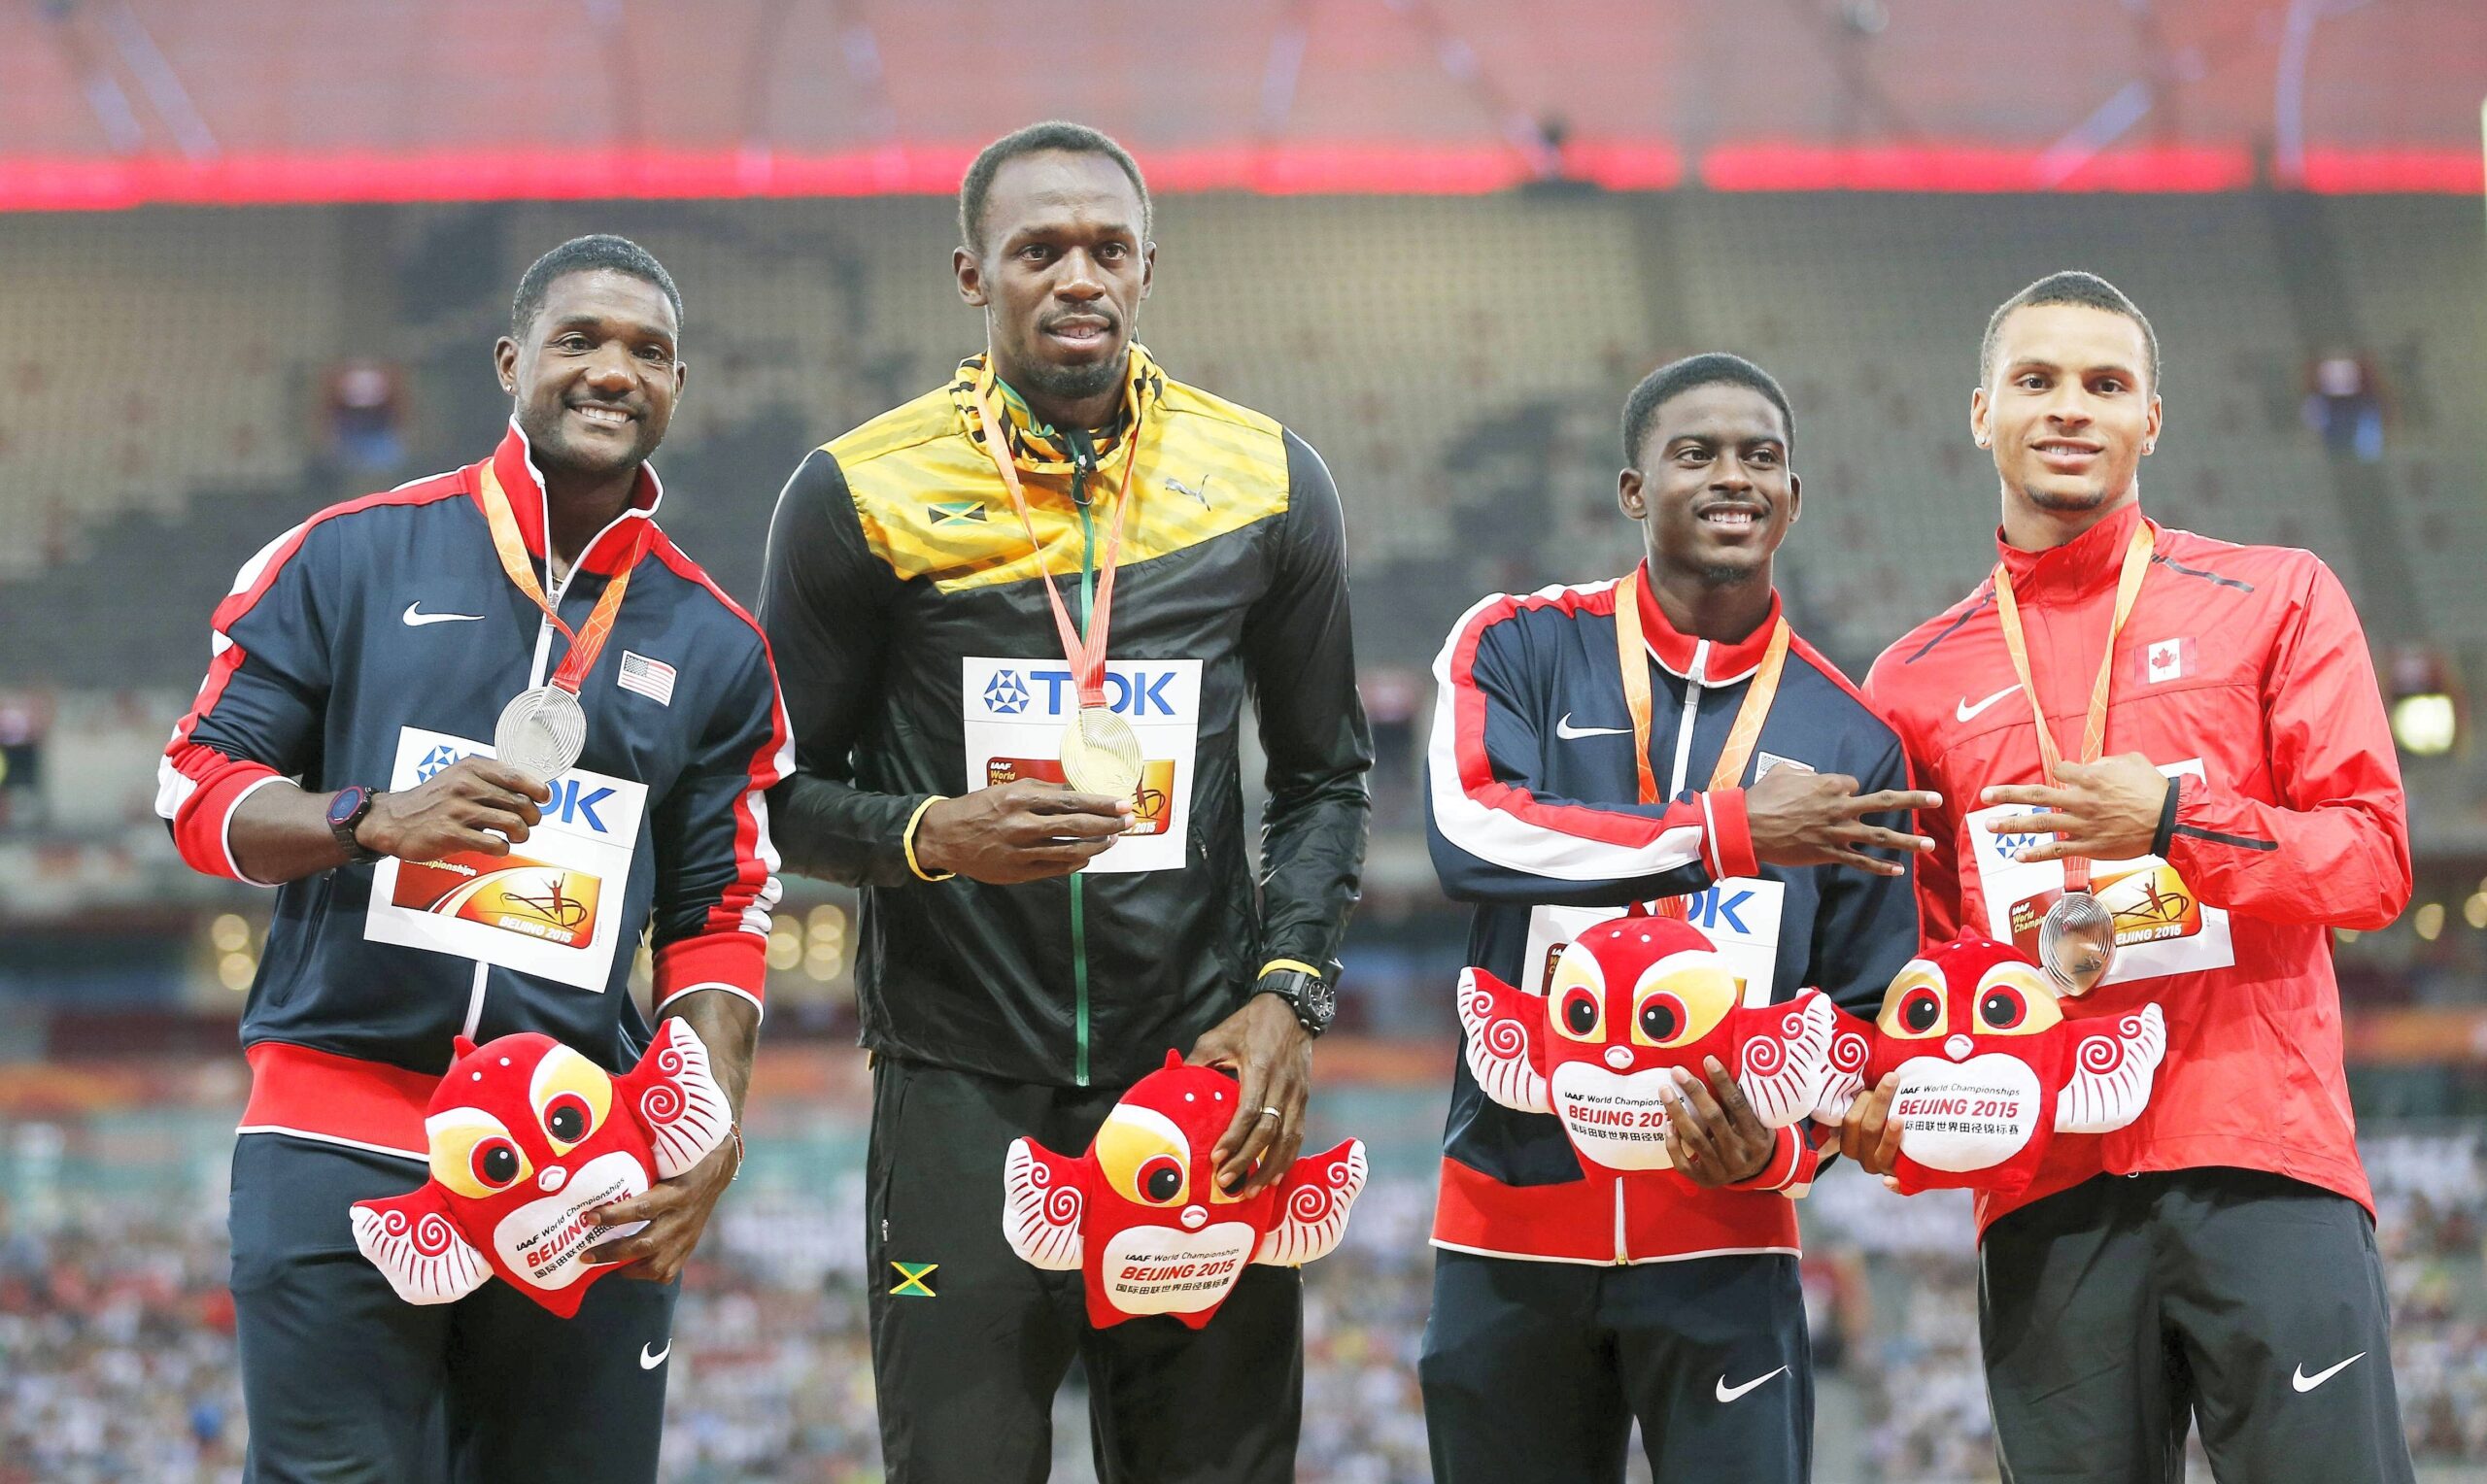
x=2009, y=846
x=1141, y=695
x=572, y=805
x=437, y=760
x=1005, y=694
x=1716, y=907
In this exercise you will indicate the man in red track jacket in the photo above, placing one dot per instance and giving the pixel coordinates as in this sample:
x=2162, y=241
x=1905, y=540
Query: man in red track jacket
x=2214, y=1262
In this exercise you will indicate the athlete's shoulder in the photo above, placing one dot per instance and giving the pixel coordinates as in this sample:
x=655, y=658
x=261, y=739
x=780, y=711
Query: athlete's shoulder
x=1837, y=699
x=1205, y=438
x=911, y=425
x=1905, y=660
x=2237, y=566
x=1559, y=605
x=730, y=618
x=1182, y=399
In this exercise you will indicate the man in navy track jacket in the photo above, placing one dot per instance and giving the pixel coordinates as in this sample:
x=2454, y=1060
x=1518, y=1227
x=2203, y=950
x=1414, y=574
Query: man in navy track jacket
x=339, y=752
x=1570, y=1299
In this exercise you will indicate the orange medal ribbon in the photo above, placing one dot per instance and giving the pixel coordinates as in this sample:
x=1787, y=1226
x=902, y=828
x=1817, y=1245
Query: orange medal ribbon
x=1087, y=656
x=588, y=641
x=2093, y=732
x=1631, y=653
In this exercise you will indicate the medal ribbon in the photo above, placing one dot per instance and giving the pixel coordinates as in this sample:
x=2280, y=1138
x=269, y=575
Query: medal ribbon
x=588, y=641
x=1631, y=653
x=1087, y=656
x=2093, y=732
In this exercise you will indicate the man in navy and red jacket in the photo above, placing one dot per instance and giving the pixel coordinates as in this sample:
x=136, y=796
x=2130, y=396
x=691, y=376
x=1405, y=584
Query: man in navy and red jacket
x=335, y=750
x=1570, y=1299
x=2249, y=802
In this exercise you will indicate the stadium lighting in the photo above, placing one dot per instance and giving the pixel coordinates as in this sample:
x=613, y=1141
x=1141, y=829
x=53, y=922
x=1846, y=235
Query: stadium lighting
x=2425, y=700
x=2426, y=725
x=2429, y=919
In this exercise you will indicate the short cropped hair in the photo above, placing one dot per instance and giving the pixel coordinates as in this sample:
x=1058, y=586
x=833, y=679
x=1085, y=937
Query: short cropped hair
x=2088, y=290
x=587, y=255
x=1037, y=139
x=1714, y=369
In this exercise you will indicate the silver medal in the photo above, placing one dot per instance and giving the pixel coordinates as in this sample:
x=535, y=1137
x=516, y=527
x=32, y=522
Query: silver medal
x=541, y=733
x=2076, y=942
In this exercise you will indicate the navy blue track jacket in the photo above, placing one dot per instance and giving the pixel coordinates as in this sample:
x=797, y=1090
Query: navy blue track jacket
x=1531, y=804
x=375, y=644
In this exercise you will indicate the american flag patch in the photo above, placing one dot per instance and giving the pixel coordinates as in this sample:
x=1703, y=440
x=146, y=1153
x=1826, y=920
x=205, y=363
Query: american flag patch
x=651, y=677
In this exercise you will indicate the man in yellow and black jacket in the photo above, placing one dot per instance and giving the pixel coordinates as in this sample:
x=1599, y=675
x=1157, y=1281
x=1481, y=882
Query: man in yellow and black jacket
x=1028, y=951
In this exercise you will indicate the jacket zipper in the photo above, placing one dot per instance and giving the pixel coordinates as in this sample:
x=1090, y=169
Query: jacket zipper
x=1692, y=712
x=1083, y=462
x=1622, y=1248
x=536, y=669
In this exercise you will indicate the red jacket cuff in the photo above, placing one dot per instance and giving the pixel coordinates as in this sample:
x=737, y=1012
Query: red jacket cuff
x=1730, y=837
x=732, y=960
x=202, y=826
x=1792, y=1163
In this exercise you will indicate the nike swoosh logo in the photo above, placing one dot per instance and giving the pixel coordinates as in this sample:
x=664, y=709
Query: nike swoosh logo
x=1728, y=1393
x=417, y=619
x=1963, y=711
x=1569, y=733
x=649, y=1362
x=2306, y=1383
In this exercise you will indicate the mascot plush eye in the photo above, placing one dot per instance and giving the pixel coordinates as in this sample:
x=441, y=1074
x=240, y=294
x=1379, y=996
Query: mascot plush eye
x=1577, y=995
x=1912, y=1006
x=1582, y=1015
x=1660, y=1017
x=2014, y=1001
x=473, y=1155
x=570, y=1094
x=1144, y=1156
x=1161, y=1180
x=1680, y=999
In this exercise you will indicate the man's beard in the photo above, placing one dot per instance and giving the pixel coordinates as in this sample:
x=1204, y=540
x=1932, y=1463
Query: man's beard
x=2064, y=504
x=1072, y=384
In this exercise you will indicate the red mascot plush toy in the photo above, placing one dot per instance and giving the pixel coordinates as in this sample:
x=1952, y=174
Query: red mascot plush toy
x=1140, y=1215
x=1629, y=1001
x=528, y=1136
x=1990, y=1069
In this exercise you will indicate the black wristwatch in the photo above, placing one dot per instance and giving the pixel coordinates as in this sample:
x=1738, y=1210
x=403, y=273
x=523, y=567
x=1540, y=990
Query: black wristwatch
x=1315, y=1003
x=346, y=813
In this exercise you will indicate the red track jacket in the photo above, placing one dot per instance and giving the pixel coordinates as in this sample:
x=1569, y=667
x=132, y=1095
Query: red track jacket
x=2244, y=673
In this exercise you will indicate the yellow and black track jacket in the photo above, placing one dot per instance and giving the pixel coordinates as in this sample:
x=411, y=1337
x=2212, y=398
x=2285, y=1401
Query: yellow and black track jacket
x=919, y=657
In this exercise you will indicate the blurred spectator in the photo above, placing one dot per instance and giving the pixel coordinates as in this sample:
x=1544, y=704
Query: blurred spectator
x=2345, y=407
x=364, y=404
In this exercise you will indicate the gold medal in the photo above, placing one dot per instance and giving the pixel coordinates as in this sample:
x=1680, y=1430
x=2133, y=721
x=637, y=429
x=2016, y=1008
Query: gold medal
x=1101, y=754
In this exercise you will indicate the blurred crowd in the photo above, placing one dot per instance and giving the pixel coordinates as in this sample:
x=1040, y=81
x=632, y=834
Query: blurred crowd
x=117, y=1335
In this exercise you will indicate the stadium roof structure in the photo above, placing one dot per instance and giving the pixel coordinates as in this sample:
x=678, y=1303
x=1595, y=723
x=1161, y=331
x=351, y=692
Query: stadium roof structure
x=112, y=103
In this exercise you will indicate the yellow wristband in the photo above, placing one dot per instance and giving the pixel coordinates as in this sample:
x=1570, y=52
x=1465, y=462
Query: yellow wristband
x=1297, y=964
x=907, y=840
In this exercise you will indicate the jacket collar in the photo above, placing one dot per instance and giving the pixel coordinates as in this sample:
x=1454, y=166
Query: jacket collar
x=1040, y=448
x=1680, y=653
x=514, y=462
x=2086, y=564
